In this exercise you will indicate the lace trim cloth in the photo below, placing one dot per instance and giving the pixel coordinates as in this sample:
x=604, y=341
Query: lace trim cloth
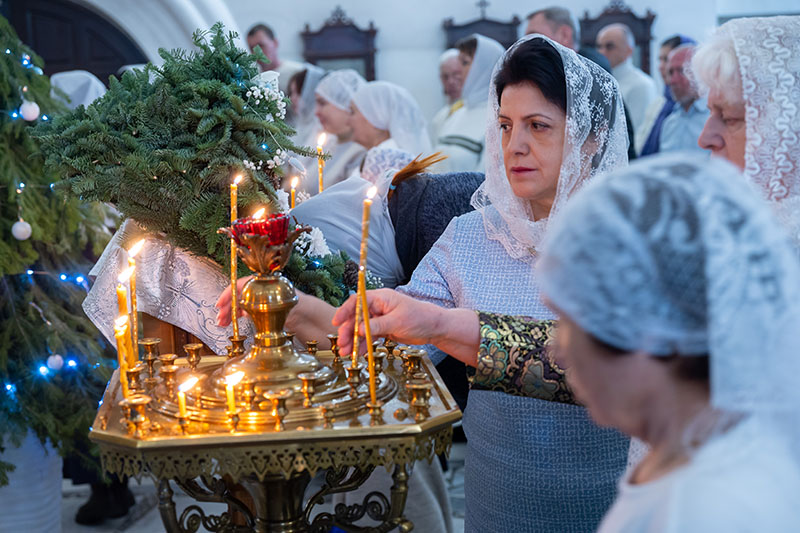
x=171, y=285
x=596, y=141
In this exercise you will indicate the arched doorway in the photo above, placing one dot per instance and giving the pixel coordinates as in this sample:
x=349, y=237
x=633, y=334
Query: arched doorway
x=69, y=36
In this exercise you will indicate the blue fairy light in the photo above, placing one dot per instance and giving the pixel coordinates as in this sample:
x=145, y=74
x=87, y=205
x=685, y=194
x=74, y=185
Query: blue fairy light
x=79, y=279
x=72, y=363
x=29, y=272
x=11, y=388
x=264, y=146
x=8, y=51
x=45, y=118
x=63, y=277
x=26, y=60
x=14, y=114
x=21, y=185
x=52, y=186
x=43, y=370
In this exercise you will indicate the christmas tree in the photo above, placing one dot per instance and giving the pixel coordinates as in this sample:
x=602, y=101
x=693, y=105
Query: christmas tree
x=165, y=142
x=53, y=362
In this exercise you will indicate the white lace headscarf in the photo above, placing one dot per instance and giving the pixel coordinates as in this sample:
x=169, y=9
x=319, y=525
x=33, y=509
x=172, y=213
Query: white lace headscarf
x=339, y=86
x=768, y=53
x=676, y=256
x=306, y=123
x=392, y=108
x=595, y=141
x=479, y=78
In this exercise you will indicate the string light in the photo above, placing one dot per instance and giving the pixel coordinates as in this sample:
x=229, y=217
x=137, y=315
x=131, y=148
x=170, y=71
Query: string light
x=72, y=363
x=45, y=118
x=63, y=277
x=29, y=272
x=43, y=370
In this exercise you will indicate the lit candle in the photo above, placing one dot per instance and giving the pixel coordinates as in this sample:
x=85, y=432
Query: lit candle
x=133, y=251
x=260, y=214
x=230, y=382
x=234, y=260
x=294, y=186
x=362, y=266
x=320, y=162
x=122, y=302
x=121, y=333
x=182, y=388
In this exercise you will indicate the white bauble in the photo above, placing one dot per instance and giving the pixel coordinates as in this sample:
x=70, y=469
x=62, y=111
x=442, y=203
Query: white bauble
x=55, y=362
x=29, y=110
x=21, y=230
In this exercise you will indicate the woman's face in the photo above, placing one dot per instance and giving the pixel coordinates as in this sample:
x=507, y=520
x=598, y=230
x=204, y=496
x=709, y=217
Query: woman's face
x=466, y=63
x=334, y=120
x=532, y=138
x=364, y=133
x=294, y=96
x=611, y=386
x=725, y=130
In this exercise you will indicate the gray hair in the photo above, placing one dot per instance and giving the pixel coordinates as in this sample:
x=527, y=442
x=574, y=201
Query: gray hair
x=560, y=16
x=625, y=30
x=448, y=54
x=716, y=66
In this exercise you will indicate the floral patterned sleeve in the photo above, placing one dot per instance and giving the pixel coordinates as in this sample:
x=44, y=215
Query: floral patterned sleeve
x=513, y=358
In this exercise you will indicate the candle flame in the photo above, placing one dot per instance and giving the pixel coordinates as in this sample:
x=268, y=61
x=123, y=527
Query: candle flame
x=295, y=181
x=121, y=321
x=321, y=139
x=188, y=384
x=260, y=214
x=371, y=192
x=126, y=274
x=134, y=250
x=234, y=379
x=237, y=180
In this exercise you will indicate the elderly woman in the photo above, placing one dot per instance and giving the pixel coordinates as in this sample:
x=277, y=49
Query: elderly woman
x=461, y=136
x=332, y=97
x=660, y=274
x=302, y=88
x=535, y=462
x=750, y=70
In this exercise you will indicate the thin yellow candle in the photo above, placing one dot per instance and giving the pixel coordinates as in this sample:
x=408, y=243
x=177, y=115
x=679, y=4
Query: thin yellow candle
x=230, y=382
x=362, y=285
x=362, y=266
x=122, y=301
x=295, y=180
x=320, y=161
x=133, y=251
x=182, y=388
x=121, y=333
x=234, y=260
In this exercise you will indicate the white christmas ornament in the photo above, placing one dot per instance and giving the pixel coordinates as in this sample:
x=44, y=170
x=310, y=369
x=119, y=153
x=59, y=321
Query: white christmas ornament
x=55, y=362
x=21, y=230
x=29, y=110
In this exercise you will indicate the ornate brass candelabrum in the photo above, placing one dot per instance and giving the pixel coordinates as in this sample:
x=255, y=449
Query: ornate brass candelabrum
x=256, y=444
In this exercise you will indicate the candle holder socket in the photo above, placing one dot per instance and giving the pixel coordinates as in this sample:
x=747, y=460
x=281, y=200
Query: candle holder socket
x=168, y=376
x=354, y=378
x=233, y=420
x=151, y=353
x=134, y=377
x=138, y=405
x=379, y=356
x=279, y=410
x=311, y=347
x=375, y=412
x=193, y=356
x=390, y=346
x=236, y=346
x=328, y=415
x=420, y=398
x=413, y=361
x=308, y=379
x=167, y=359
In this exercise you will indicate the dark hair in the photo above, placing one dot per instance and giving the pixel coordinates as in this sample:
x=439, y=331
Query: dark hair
x=673, y=42
x=467, y=45
x=299, y=79
x=261, y=27
x=535, y=61
x=690, y=368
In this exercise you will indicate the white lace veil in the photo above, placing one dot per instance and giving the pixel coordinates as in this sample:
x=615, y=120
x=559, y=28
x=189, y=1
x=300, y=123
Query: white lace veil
x=476, y=85
x=675, y=255
x=392, y=108
x=768, y=50
x=596, y=141
x=339, y=86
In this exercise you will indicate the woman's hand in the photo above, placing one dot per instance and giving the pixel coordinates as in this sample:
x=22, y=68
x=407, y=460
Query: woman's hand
x=403, y=319
x=224, y=303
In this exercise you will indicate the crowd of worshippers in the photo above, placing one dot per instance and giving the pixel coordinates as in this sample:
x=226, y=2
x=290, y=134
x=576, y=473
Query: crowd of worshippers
x=667, y=399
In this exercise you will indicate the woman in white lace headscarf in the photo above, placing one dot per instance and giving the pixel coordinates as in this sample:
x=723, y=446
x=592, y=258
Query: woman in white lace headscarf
x=535, y=462
x=302, y=88
x=386, y=115
x=333, y=95
x=679, y=302
x=461, y=136
x=751, y=68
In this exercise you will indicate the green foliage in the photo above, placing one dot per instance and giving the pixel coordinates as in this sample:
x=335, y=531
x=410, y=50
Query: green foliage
x=39, y=314
x=165, y=142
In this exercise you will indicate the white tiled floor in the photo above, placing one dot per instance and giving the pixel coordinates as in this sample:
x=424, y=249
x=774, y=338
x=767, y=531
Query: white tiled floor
x=144, y=517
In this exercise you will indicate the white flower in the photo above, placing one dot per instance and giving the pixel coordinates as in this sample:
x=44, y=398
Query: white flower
x=283, y=199
x=302, y=196
x=319, y=247
x=268, y=78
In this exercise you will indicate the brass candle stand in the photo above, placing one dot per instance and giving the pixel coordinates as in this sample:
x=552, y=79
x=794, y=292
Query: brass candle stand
x=295, y=415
